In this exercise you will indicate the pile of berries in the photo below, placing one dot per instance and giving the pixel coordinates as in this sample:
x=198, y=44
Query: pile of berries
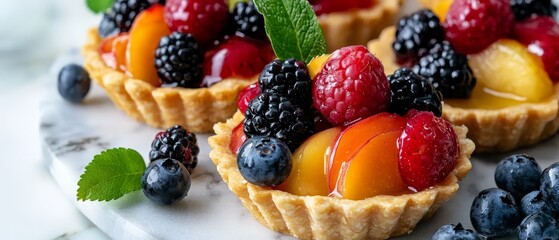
x=173, y=155
x=286, y=107
x=437, y=50
x=185, y=43
x=526, y=201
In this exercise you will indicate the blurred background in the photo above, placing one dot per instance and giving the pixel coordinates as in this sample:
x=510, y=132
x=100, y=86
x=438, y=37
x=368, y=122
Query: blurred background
x=33, y=35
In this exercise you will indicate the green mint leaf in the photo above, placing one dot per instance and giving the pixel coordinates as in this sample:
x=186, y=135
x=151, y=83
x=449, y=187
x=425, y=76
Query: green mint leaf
x=232, y=3
x=98, y=6
x=292, y=28
x=111, y=174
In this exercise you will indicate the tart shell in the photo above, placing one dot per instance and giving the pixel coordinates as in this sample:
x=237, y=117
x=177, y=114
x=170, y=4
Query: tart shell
x=358, y=26
x=195, y=109
x=321, y=217
x=491, y=130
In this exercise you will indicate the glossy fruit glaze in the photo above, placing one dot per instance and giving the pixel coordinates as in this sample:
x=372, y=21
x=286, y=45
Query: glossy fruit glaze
x=236, y=57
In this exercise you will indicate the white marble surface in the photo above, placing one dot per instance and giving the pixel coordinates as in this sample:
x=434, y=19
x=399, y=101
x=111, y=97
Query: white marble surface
x=74, y=133
x=33, y=206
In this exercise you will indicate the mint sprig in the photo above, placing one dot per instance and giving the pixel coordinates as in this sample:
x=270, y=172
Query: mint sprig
x=111, y=174
x=293, y=28
x=98, y=6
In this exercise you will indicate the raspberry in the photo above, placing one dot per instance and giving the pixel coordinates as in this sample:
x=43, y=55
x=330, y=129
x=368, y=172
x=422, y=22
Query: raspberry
x=447, y=70
x=473, y=25
x=351, y=86
x=176, y=143
x=415, y=35
x=289, y=78
x=523, y=9
x=178, y=59
x=273, y=115
x=204, y=19
x=248, y=21
x=121, y=16
x=541, y=35
x=428, y=150
x=412, y=91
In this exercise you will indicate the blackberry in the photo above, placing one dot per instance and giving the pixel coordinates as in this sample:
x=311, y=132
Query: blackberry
x=178, y=59
x=412, y=91
x=289, y=78
x=248, y=21
x=523, y=9
x=272, y=115
x=447, y=70
x=176, y=143
x=415, y=35
x=122, y=14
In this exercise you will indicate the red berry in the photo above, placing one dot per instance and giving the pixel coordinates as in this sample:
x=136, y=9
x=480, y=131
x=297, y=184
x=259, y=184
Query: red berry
x=329, y=6
x=428, y=150
x=238, y=137
x=351, y=86
x=473, y=25
x=541, y=35
x=204, y=19
x=236, y=57
x=247, y=94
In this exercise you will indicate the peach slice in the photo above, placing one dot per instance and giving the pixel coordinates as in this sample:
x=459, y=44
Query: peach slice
x=148, y=28
x=508, y=67
x=441, y=8
x=316, y=64
x=308, y=175
x=355, y=137
x=373, y=171
x=113, y=51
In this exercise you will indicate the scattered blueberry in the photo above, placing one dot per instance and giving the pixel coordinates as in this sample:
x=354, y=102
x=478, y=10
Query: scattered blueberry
x=451, y=231
x=73, y=83
x=264, y=161
x=533, y=202
x=166, y=181
x=550, y=186
x=538, y=226
x=518, y=174
x=495, y=213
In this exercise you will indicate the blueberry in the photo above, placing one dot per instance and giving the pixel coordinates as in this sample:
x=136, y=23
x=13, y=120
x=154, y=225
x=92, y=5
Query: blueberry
x=538, y=226
x=518, y=174
x=264, y=161
x=166, y=181
x=550, y=186
x=73, y=83
x=494, y=213
x=533, y=202
x=450, y=231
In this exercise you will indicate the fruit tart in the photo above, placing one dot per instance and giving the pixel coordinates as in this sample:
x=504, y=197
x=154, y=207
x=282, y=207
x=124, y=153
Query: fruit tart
x=185, y=61
x=177, y=62
x=351, y=155
x=350, y=22
x=495, y=62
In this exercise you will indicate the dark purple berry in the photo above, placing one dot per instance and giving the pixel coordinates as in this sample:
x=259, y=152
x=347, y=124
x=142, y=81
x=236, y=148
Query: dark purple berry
x=495, y=213
x=518, y=174
x=264, y=161
x=166, y=181
x=73, y=83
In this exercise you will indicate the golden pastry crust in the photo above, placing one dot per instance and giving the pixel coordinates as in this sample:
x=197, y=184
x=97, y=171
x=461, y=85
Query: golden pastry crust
x=357, y=27
x=491, y=130
x=320, y=217
x=195, y=109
